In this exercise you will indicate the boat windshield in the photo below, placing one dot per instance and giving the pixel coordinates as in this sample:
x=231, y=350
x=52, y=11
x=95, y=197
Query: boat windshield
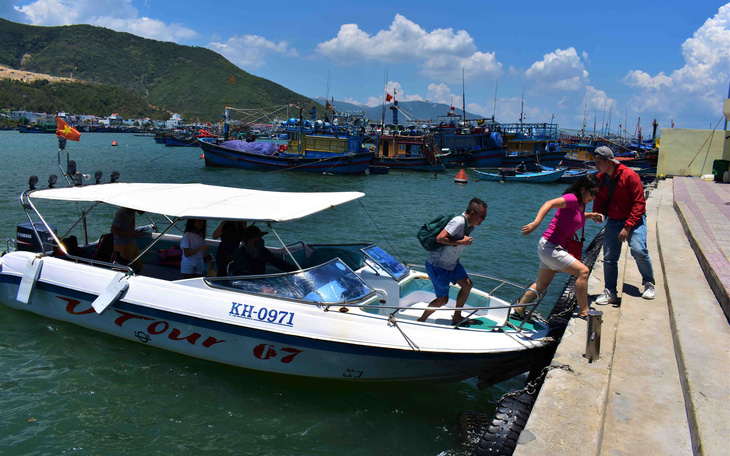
x=385, y=262
x=329, y=283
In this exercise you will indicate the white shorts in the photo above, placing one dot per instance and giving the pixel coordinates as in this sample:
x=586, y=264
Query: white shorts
x=553, y=256
x=192, y=265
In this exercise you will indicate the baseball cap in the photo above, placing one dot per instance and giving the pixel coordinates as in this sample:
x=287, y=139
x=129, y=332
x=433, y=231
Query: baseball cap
x=253, y=231
x=605, y=153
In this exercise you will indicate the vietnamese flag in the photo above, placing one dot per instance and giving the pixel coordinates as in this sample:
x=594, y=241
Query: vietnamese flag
x=388, y=97
x=65, y=131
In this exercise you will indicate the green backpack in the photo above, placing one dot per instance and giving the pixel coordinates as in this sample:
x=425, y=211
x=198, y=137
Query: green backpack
x=429, y=232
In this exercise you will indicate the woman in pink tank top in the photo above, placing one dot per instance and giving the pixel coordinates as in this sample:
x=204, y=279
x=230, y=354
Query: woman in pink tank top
x=552, y=249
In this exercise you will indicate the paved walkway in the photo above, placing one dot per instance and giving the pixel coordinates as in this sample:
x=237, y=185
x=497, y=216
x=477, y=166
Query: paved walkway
x=662, y=384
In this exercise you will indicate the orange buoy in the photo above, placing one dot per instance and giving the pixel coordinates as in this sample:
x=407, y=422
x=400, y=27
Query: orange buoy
x=202, y=156
x=114, y=143
x=461, y=177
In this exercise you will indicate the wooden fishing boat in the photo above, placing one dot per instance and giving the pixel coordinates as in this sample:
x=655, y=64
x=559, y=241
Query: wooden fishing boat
x=331, y=149
x=408, y=151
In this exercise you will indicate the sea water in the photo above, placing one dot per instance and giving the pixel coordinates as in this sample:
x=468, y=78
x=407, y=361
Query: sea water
x=70, y=390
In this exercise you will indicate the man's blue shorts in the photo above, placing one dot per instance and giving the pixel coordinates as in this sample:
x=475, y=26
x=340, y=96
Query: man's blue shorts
x=441, y=278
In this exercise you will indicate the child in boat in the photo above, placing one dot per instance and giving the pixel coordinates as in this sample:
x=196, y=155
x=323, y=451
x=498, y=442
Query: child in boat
x=194, y=249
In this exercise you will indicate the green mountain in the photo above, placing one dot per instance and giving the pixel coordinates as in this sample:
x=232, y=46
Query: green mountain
x=409, y=110
x=193, y=81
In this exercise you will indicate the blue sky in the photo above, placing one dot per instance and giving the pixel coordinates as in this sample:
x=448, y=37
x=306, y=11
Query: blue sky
x=667, y=59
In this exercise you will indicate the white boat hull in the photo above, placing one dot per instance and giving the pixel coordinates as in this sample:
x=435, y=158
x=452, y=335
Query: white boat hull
x=267, y=334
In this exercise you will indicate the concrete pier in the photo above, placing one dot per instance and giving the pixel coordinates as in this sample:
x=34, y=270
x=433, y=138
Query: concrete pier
x=662, y=383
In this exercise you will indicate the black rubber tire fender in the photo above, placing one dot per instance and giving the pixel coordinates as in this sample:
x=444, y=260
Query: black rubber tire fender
x=500, y=437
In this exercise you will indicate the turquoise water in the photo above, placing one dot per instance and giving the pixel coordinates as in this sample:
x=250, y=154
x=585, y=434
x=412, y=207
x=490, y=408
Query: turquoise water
x=66, y=389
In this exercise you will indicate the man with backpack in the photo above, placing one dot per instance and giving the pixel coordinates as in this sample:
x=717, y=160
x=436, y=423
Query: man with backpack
x=442, y=264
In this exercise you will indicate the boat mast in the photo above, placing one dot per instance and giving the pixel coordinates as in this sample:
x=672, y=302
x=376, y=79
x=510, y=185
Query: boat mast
x=494, y=111
x=385, y=90
x=463, y=98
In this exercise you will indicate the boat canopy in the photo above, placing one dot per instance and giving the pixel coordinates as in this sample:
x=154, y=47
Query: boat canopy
x=203, y=201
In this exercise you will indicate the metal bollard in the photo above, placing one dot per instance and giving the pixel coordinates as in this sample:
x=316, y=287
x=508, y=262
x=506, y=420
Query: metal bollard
x=593, y=336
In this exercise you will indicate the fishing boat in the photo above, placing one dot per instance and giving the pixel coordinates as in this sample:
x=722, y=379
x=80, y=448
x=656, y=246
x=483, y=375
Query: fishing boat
x=181, y=140
x=37, y=128
x=316, y=148
x=474, y=146
x=512, y=175
x=346, y=311
x=408, y=151
x=532, y=144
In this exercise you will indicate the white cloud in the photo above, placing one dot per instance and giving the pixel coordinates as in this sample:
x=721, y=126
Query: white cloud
x=441, y=93
x=96, y=12
x=509, y=110
x=148, y=28
x=559, y=70
x=373, y=101
x=597, y=100
x=700, y=85
x=639, y=79
x=441, y=53
x=250, y=51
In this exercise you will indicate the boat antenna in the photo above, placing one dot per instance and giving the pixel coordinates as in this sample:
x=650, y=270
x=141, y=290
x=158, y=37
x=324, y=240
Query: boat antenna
x=522, y=107
x=385, y=90
x=494, y=112
x=463, y=96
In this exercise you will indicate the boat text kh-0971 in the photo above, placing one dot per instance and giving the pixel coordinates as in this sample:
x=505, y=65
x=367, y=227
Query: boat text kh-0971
x=347, y=311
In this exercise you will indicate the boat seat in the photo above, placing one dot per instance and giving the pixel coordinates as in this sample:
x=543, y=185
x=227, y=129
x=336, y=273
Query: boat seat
x=422, y=299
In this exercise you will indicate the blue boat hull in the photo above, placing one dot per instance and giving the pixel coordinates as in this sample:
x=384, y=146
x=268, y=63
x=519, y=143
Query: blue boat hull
x=219, y=156
x=171, y=141
x=549, y=159
x=542, y=177
x=411, y=163
x=479, y=158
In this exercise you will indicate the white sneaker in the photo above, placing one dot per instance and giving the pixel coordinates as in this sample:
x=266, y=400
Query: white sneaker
x=648, y=291
x=608, y=297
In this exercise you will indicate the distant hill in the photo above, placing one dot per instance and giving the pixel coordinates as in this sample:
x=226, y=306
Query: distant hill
x=193, y=81
x=415, y=110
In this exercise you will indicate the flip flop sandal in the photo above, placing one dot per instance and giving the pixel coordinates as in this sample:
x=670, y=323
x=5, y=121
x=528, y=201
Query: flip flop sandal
x=468, y=323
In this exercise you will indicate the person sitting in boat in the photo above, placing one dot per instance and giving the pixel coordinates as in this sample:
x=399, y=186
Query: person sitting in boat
x=443, y=266
x=230, y=233
x=521, y=168
x=123, y=230
x=194, y=249
x=251, y=258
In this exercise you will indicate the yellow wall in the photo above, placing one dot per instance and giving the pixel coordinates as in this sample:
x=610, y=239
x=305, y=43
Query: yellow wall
x=685, y=152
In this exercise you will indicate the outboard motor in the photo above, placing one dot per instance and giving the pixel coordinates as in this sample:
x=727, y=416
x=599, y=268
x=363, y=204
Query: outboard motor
x=27, y=240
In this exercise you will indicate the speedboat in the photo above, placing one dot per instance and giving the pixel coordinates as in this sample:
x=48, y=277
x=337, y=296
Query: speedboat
x=347, y=311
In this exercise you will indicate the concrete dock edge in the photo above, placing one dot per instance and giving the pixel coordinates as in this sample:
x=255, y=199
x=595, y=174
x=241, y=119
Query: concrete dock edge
x=662, y=383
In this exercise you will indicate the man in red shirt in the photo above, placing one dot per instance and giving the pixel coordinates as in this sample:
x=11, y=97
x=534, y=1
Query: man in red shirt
x=621, y=200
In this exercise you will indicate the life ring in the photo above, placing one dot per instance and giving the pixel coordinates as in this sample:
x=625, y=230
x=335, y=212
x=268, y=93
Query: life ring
x=497, y=138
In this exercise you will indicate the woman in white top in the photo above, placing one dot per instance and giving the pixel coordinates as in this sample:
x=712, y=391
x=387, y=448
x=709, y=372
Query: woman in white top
x=194, y=248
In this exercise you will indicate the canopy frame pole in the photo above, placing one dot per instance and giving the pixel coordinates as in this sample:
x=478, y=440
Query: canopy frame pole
x=174, y=222
x=83, y=217
x=29, y=204
x=284, y=245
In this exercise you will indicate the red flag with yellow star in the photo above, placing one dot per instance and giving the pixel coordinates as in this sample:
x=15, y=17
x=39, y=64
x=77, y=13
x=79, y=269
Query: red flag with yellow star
x=65, y=131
